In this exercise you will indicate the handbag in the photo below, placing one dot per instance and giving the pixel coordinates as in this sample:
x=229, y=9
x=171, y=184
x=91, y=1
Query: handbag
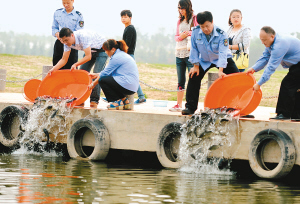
x=241, y=59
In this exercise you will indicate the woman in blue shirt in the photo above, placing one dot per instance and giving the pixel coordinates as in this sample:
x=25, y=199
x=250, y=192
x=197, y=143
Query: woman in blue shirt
x=120, y=77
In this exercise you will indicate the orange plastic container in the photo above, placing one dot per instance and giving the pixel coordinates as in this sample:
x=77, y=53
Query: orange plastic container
x=234, y=91
x=30, y=89
x=66, y=84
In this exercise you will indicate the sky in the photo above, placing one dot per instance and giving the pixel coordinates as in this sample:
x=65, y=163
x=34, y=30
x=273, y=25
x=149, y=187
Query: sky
x=35, y=17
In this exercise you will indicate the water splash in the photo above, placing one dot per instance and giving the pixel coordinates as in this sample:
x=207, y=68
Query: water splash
x=46, y=118
x=204, y=133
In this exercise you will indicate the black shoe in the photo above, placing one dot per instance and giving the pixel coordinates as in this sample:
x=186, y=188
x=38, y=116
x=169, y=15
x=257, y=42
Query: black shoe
x=187, y=112
x=280, y=117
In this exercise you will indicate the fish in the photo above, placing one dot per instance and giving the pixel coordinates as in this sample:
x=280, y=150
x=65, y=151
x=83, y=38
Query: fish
x=198, y=131
x=61, y=117
x=205, y=135
x=21, y=128
x=230, y=110
x=54, y=113
x=195, y=153
x=220, y=117
x=191, y=135
x=47, y=134
x=71, y=100
x=214, y=147
x=49, y=107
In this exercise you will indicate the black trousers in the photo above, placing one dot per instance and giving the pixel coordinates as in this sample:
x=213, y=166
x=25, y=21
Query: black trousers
x=288, y=100
x=194, y=84
x=58, y=51
x=112, y=90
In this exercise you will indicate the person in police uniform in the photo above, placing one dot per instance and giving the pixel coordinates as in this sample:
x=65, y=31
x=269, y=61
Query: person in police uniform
x=70, y=18
x=209, y=48
x=284, y=50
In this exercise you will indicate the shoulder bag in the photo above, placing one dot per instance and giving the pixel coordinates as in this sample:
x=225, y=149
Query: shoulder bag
x=241, y=59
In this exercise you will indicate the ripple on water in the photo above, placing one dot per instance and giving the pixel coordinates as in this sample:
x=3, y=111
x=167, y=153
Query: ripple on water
x=38, y=179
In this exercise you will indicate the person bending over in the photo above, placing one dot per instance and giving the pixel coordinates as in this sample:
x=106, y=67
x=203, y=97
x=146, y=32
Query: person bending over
x=284, y=50
x=119, y=78
x=91, y=43
x=209, y=48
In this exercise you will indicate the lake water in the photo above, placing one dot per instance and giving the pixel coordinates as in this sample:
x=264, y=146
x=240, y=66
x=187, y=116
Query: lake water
x=128, y=176
x=48, y=178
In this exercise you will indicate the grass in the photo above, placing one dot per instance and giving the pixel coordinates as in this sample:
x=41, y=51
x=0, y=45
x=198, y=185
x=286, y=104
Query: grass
x=157, y=75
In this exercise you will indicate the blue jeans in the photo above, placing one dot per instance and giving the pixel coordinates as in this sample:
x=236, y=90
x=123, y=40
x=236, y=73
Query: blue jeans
x=181, y=65
x=99, y=60
x=139, y=91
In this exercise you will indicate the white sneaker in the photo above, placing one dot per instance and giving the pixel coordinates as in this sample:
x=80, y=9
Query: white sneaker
x=176, y=108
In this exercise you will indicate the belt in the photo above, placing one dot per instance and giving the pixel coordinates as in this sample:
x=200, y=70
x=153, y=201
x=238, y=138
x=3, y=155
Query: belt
x=98, y=50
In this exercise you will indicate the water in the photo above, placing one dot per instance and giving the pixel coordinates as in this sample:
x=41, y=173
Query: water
x=47, y=116
x=41, y=175
x=204, y=133
x=50, y=179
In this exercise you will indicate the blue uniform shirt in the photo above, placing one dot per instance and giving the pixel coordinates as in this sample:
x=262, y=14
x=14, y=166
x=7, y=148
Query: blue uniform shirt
x=215, y=51
x=285, y=50
x=85, y=39
x=123, y=69
x=73, y=20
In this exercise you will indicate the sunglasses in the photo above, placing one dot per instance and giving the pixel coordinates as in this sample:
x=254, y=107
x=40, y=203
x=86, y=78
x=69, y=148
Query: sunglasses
x=180, y=7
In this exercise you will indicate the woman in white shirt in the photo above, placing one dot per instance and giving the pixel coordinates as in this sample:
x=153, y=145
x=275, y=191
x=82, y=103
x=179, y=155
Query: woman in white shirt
x=186, y=21
x=239, y=36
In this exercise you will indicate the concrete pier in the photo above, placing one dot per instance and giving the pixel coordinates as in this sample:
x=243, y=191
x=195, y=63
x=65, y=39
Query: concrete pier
x=139, y=129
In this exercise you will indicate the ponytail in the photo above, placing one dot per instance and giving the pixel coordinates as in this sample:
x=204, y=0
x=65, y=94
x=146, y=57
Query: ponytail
x=122, y=45
x=111, y=43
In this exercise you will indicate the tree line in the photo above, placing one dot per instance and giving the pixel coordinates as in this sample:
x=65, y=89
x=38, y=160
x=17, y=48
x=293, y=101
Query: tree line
x=158, y=48
x=26, y=44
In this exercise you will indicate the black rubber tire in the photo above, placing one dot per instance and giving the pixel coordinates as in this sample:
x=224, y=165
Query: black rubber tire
x=8, y=116
x=288, y=154
x=76, y=133
x=167, y=145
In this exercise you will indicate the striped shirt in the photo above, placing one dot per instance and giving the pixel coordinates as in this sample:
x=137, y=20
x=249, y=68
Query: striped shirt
x=85, y=39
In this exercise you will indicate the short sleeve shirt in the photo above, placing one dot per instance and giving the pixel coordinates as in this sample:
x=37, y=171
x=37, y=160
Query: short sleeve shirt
x=85, y=39
x=73, y=20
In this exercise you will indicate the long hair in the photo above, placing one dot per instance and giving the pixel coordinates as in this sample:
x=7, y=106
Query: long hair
x=187, y=5
x=111, y=43
x=234, y=10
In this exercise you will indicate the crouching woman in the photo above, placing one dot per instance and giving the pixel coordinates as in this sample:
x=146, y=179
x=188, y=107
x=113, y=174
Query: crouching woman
x=119, y=78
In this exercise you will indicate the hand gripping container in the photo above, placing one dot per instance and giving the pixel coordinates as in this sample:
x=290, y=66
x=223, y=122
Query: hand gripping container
x=234, y=91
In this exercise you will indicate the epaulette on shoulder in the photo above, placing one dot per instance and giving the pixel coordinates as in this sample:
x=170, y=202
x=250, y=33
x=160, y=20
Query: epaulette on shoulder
x=59, y=9
x=79, y=14
x=196, y=27
x=220, y=31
